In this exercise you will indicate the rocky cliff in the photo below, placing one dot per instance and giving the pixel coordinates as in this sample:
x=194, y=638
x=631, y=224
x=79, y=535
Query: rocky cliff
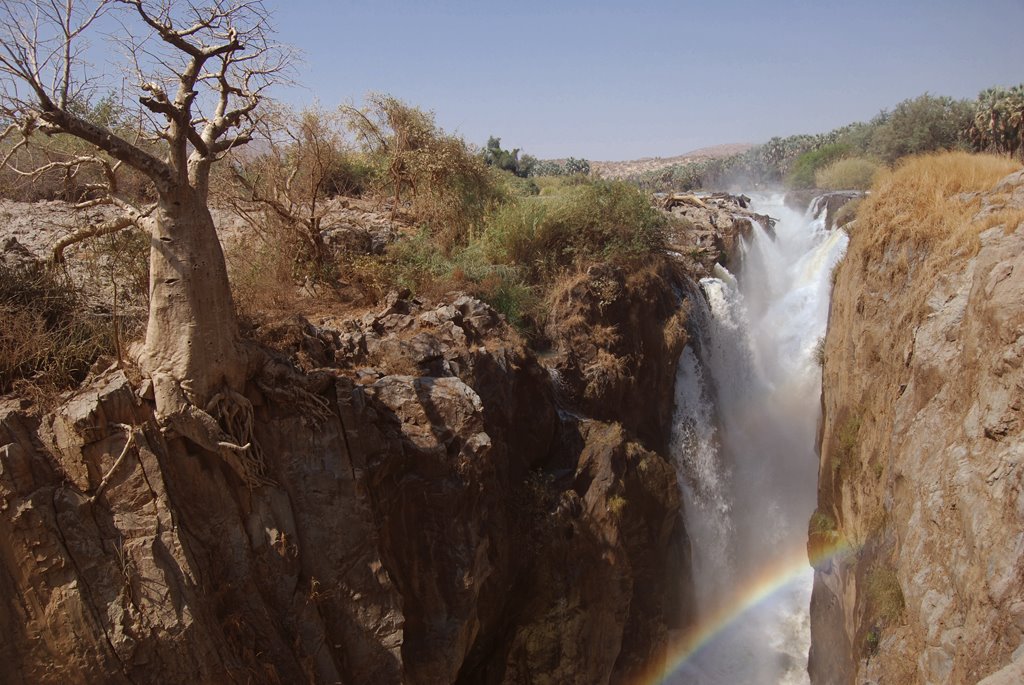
x=922, y=442
x=431, y=518
x=441, y=505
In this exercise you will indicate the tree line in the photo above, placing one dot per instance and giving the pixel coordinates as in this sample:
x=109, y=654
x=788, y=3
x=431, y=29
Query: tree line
x=994, y=122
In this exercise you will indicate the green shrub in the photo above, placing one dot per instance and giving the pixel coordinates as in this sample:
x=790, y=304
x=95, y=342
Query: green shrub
x=927, y=123
x=516, y=186
x=884, y=593
x=417, y=264
x=528, y=242
x=593, y=221
x=847, y=442
x=852, y=173
x=807, y=164
x=509, y=160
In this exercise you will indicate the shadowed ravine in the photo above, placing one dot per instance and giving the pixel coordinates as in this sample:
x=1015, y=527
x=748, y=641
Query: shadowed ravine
x=747, y=406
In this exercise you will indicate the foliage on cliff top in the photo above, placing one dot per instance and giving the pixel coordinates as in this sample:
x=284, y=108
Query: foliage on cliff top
x=927, y=123
x=921, y=220
x=530, y=242
x=851, y=173
x=807, y=165
x=925, y=204
x=584, y=223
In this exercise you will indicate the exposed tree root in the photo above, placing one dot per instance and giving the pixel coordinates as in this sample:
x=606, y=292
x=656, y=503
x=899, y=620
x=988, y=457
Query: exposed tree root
x=224, y=427
x=234, y=413
x=280, y=383
x=130, y=431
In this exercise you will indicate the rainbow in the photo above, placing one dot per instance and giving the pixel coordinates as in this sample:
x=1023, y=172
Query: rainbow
x=770, y=580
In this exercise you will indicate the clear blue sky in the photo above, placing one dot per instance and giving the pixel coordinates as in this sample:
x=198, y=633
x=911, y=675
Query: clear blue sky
x=621, y=80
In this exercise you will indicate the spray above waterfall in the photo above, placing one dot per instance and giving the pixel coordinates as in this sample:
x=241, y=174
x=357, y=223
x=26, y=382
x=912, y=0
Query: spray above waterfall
x=747, y=403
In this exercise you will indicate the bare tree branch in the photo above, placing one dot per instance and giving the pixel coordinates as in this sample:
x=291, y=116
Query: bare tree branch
x=106, y=228
x=40, y=57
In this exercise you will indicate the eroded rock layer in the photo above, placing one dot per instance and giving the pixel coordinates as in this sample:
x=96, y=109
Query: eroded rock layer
x=434, y=516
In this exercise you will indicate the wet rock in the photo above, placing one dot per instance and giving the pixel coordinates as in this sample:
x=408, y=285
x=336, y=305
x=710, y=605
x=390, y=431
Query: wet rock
x=713, y=228
x=829, y=204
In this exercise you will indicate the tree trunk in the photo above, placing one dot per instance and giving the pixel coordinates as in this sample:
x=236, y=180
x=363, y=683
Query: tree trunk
x=192, y=352
x=192, y=334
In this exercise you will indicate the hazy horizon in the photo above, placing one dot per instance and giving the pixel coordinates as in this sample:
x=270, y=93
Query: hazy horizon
x=614, y=81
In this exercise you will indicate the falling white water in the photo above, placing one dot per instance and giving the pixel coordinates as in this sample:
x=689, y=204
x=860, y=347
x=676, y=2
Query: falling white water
x=747, y=405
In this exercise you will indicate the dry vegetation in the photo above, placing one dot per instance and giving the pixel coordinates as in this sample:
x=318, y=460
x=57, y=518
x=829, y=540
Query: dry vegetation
x=49, y=337
x=851, y=173
x=924, y=211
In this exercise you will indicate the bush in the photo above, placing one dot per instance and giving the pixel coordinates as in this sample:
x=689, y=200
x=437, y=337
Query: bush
x=448, y=187
x=528, y=242
x=926, y=123
x=571, y=167
x=417, y=264
x=806, y=165
x=589, y=222
x=49, y=337
x=512, y=186
x=847, y=444
x=884, y=594
x=852, y=173
x=998, y=123
x=508, y=160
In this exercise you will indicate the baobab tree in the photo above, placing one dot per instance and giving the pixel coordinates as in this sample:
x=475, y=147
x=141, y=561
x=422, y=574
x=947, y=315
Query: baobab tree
x=200, y=73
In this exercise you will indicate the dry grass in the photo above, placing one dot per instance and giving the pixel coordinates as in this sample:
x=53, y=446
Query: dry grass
x=852, y=173
x=920, y=205
x=884, y=594
x=923, y=217
x=49, y=338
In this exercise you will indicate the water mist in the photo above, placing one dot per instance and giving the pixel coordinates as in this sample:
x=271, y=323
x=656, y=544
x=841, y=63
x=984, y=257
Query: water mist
x=747, y=406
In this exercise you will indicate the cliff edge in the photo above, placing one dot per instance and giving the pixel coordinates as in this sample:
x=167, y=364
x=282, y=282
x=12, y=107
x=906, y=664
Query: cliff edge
x=921, y=480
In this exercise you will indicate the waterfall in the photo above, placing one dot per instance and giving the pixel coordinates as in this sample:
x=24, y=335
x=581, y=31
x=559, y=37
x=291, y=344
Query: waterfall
x=747, y=406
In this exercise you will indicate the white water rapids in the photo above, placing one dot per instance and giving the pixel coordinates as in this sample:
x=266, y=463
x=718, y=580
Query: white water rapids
x=747, y=407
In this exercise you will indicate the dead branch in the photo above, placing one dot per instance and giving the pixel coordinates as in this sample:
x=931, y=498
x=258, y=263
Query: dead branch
x=133, y=218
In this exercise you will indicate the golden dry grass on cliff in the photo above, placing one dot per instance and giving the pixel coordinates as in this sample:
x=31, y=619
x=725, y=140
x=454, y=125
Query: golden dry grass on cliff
x=920, y=224
x=924, y=206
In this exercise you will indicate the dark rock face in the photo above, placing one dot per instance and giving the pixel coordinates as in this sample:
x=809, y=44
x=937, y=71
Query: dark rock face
x=617, y=338
x=829, y=205
x=435, y=516
x=821, y=202
x=800, y=200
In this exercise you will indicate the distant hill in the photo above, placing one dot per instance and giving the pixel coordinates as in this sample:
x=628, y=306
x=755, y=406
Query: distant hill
x=639, y=166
